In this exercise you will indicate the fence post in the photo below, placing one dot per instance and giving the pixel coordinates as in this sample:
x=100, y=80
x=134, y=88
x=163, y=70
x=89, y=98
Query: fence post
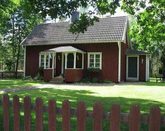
x=154, y=119
x=5, y=103
x=134, y=118
x=65, y=116
x=16, y=111
x=52, y=115
x=27, y=113
x=81, y=116
x=115, y=118
x=39, y=114
x=97, y=116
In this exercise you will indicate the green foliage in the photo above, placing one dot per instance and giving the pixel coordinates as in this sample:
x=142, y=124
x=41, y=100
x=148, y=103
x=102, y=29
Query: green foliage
x=40, y=74
x=14, y=29
x=81, y=25
x=93, y=70
x=147, y=31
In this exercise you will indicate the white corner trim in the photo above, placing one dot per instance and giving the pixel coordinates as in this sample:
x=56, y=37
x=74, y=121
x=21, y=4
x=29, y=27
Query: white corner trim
x=82, y=61
x=74, y=66
x=125, y=31
x=62, y=65
x=119, y=62
x=24, y=61
x=147, y=67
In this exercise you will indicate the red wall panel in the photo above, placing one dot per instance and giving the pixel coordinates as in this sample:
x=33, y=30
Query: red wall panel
x=142, y=67
x=109, y=58
x=73, y=75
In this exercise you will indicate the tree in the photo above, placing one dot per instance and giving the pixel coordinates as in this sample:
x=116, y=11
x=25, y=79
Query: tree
x=64, y=8
x=16, y=28
x=148, y=30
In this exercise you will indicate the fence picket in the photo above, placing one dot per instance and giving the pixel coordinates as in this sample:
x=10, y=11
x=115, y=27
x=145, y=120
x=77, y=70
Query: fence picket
x=5, y=103
x=154, y=119
x=52, y=115
x=66, y=116
x=39, y=114
x=27, y=113
x=115, y=118
x=81, y=116
x=97, y=117
x=16, y=111
x=134, y=118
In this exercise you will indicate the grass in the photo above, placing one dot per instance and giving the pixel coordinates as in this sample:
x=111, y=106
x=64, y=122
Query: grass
x=125, y=96
x=144, y=94
x=16, y=83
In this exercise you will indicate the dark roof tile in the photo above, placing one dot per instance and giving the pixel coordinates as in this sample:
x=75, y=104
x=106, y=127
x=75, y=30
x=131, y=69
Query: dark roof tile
x=108, y=29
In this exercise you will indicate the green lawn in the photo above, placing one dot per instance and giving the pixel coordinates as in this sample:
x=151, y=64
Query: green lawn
x=145, y=94
x=16, y=83
x=126, y=94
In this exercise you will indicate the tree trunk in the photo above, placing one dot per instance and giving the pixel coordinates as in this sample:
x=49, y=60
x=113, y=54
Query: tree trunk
x=18, y=55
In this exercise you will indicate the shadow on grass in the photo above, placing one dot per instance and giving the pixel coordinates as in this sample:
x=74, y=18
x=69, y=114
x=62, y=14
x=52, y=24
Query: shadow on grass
x=89, y=98
x=13, y=83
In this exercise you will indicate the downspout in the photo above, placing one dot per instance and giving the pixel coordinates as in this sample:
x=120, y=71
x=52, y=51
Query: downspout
x=119, y=62
x=24, y=61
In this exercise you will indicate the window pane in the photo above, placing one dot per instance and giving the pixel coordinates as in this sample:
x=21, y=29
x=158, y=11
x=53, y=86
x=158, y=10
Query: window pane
x=97, y=56
x=42, y=61
x=91, y=65
x=50, y=60
x=97, y=65
x=91, y=60
x=91, y=56
x=97, y=60
x=70, y=60
x=47, y=61
x=78, y=60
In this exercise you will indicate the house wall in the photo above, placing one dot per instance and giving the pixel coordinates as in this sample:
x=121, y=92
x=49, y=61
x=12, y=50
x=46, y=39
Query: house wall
x=73, y=75
x=142, y=67
x=109, y=59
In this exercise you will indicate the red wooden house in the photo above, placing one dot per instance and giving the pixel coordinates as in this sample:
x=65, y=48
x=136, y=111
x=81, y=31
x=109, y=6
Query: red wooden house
x=103, y=47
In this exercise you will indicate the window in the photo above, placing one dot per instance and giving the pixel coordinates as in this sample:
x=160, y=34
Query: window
x=95, y=60
x=46, y=60
x=42, y=60
x=70, y=60
x=78, y=60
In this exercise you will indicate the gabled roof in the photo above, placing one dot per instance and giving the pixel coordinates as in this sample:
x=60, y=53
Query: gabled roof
x=110, y=29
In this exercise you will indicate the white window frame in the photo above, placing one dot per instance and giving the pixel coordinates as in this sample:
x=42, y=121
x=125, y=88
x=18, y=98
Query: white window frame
x=95, y=53
x=74, y=64
x=45, y=54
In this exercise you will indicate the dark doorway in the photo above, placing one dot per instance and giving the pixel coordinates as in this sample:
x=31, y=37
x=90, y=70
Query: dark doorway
x=132, y=67
x=58, y=63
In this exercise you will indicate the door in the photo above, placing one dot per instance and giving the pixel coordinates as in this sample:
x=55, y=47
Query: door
x=132, y=68
x=58, y=63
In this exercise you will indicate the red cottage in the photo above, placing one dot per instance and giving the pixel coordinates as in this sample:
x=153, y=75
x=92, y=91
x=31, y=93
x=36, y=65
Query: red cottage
x=102, y=52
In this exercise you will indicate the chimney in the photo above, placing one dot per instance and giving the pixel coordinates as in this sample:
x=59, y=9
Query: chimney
x=74, y=16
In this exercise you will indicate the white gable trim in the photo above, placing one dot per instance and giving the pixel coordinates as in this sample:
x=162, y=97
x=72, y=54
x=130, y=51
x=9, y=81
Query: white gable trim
x=147, y=67
x=125, y=31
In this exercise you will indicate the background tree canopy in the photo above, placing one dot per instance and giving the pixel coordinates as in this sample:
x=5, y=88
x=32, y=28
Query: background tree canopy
x=147, y=31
